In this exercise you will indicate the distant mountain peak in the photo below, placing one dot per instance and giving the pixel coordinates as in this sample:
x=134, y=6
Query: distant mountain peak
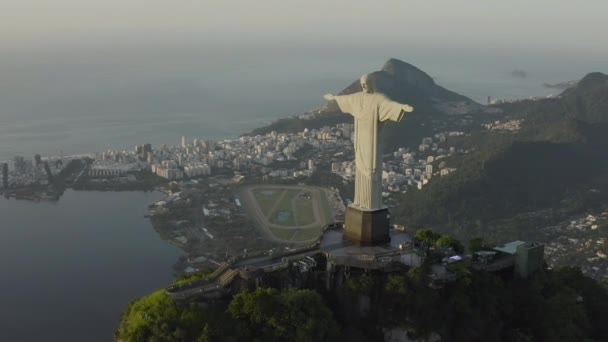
x=588, y=101
x=591, y=81
x=408, y=73
x=594, y=79
x=405, y=83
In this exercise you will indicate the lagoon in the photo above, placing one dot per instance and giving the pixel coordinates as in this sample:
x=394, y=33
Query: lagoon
x=69, y=268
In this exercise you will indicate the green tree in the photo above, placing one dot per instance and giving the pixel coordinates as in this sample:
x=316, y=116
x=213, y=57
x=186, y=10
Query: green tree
x=476, y=244
x=445, y=241
x=288, y=315
x=360, y=284
x=158, y=318
x=427, y=236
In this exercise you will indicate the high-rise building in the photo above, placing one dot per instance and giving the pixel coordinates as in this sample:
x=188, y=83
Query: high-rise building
x=37, y=160
x=47, y=169
x=184, y=142
x=19, y=164
x=147, y=148
x=209, y=145
x=429, y=170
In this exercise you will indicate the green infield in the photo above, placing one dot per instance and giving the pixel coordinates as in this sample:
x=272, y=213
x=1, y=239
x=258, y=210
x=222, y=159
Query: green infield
x=289, y=213
x=286, y=207
x=304, y=211
x=268, y=198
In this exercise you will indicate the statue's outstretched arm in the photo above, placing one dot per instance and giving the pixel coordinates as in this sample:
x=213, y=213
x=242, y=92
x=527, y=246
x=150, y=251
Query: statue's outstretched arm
x=329, y=97
x=348, y=104
x=407, y=108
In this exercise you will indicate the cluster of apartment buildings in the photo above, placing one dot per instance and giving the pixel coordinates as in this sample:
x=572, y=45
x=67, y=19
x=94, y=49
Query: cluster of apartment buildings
x=117, y=163
x=202, y=157
x=406, y=169
x=579, y=241
x=492, y=101
x=511, y=125
x=20, y=172
x=190, y=159
x=263, y=156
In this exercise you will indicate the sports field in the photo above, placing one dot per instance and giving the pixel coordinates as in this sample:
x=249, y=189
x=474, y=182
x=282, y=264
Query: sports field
x=288, y=213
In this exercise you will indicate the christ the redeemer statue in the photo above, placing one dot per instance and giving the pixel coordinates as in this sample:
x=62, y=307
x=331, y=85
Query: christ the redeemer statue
x=370, y=110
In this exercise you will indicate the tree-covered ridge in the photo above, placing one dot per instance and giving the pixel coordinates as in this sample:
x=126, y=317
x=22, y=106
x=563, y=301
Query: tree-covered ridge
x=474, y=305
x=560, y=305
x=283, y=315
x=557, y=160
x=587, y=102
x=260, y=315
x=518, y=177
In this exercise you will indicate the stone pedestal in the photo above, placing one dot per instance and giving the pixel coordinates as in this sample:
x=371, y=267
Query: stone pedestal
x=366, y=227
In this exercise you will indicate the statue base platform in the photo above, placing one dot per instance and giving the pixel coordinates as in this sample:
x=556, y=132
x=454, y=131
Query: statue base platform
x=367, y=227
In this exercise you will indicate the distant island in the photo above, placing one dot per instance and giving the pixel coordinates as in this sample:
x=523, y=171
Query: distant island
x=518, y=73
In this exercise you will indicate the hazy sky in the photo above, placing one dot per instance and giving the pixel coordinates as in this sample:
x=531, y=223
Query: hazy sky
x=493, y=22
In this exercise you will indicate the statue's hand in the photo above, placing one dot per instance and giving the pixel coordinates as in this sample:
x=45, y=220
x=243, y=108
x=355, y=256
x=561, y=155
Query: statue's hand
x=329, y=97
x=407, y=108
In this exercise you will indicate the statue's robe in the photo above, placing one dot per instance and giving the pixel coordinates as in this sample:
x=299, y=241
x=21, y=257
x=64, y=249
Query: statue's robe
x=369, y=112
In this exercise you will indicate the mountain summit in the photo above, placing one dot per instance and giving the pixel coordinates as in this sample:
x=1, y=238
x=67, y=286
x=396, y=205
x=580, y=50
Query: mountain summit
x=588, y=101
x=406, y=83
x=401, y=82
x=406, y=74
x=592, y=80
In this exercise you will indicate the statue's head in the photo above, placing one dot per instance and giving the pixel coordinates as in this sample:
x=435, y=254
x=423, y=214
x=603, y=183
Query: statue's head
x=367, y=84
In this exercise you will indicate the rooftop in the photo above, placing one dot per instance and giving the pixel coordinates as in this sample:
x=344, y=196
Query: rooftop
x=510, y=248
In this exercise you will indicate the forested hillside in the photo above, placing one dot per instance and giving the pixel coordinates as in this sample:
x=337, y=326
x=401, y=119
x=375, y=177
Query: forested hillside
x=558, y=161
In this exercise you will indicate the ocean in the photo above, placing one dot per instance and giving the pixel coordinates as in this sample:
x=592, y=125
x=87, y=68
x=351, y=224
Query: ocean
x=75, y=98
